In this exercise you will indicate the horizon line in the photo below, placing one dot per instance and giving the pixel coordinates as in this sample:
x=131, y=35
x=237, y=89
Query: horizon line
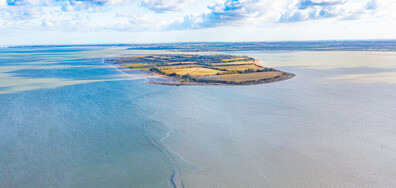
x=195, y=42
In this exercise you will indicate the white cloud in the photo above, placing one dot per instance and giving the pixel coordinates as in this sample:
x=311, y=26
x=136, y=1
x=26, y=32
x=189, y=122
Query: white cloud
x=127, y=16
x=166, y=5
x=303, y=10
x=264, y=12
x=68, y=8
x=100, y=2
x=75, y=5
x=30, y=2
x=3, y=3
x=229, y=12
x=135, y=23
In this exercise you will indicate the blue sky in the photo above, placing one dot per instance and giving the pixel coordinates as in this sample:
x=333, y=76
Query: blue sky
x=151, y=21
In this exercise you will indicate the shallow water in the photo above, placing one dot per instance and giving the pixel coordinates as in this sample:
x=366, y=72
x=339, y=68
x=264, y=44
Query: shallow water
x=70, y=120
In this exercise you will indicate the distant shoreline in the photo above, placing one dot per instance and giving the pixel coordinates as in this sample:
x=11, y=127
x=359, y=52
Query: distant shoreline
x=310, y=45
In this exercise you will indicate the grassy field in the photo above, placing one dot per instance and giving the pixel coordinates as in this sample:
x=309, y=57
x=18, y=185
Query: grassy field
x=184, y=63
x=141, y=55
x=233, y=59
x=178, y=66
x=234, y=63
x=194, y=72
x=139, y=66
x=237, y=78
x=223, y=69
x=240, y=67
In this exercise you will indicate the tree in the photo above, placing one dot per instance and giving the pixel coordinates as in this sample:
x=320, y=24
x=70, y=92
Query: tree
x=249, y=70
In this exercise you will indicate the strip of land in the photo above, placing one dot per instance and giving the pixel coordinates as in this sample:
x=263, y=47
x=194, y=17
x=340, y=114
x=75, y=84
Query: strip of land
x=205, y=69
x=367, y=45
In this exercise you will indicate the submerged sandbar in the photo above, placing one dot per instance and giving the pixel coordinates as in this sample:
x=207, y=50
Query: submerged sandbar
x=205, y=69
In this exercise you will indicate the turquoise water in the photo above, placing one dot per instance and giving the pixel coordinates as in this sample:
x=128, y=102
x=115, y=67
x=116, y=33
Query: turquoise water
x=69, y=119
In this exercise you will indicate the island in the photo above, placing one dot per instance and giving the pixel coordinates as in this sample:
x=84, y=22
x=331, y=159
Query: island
x=191, y=69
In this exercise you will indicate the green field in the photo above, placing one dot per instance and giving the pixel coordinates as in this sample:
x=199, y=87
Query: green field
x=227, y=69
x=240, y=67
x=239, y=78
x=194, y=72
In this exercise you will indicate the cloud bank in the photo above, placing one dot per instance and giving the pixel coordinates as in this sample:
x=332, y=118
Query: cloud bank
x=184, y=15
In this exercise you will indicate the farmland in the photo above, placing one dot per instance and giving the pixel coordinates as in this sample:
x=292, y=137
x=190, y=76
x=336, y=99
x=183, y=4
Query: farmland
x=205, y=69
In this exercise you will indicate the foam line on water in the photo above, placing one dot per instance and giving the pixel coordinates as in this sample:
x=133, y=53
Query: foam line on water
x=168, y=148
x=126, y=74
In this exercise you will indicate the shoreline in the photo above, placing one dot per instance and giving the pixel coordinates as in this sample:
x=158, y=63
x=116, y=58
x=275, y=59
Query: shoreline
x=258, y=74
x=285, y=76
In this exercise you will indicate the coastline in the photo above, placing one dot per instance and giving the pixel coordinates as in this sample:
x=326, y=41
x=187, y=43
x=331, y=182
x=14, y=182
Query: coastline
x=179, y=81
x=150, y=74
x=237, y=70
x=285, y=76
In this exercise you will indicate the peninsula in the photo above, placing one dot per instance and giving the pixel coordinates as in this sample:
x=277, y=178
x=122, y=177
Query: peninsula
x=205, y=69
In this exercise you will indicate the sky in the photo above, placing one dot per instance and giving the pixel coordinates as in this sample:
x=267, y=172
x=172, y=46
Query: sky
x=39, y=22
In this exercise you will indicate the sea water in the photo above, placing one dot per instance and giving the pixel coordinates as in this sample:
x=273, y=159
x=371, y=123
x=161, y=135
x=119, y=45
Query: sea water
x=68, y=118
